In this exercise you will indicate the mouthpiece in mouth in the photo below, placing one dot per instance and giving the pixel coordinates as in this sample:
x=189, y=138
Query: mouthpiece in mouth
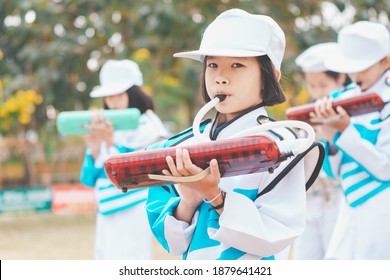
x=221, y=97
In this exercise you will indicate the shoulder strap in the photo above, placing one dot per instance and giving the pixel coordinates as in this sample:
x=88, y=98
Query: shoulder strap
x=293, y=163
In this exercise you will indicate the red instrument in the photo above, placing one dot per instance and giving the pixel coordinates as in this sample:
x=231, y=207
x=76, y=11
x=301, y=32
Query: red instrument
x=244, y=155
x=355, y=105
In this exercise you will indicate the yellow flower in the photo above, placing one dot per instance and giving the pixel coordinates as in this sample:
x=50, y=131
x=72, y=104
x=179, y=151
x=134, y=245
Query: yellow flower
x=24, y=118
x=1, y=55
x=171, y=81
x=11, y=105
x=29, y=95
x=303, y=96
x=142, y=54
x=18, y=108
x=3, y=112
x=38, y=99
x=148, y=89
x=20, y=95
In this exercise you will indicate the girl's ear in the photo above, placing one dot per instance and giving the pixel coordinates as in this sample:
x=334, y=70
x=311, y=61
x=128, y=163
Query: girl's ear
x=278, y=74
x=342, y=78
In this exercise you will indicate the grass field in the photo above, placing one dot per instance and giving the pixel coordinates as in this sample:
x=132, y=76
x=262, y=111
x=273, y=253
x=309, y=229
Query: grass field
x=45, y=236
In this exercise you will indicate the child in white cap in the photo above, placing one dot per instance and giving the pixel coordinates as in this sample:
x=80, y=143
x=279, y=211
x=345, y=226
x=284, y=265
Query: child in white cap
x=122, y=231
x=324, y=196
x=358, y=150
x=235, y=217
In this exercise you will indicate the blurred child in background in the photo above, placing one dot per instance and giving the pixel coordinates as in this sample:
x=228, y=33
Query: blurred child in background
x=359, y=147
x=324, y=196
x=122, y=231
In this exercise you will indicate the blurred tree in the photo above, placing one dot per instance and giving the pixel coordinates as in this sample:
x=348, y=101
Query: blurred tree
x=56, y=47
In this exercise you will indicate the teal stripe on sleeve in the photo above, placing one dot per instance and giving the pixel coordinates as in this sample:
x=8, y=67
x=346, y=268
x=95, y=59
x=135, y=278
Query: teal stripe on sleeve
x=358, y=185
x=127, y=206
x=369, y=195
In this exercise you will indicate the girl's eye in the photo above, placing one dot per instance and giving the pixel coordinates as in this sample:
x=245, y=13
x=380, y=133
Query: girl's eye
x=212, y=65
x=237, y=65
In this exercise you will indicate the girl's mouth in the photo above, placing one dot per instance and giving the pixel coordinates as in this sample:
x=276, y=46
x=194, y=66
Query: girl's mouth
x=221, y=97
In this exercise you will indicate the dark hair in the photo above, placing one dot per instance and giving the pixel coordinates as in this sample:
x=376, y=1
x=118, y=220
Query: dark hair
x=138, y=99
x=272, y=92
x=335, y=76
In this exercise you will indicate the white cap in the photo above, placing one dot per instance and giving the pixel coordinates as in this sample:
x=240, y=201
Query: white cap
x=312, y=59
x=117, y=76
x=237, y=33
x=360, y=45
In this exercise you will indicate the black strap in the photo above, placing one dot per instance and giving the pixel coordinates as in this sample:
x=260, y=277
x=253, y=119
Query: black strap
x=181, y=137
x=293, y=163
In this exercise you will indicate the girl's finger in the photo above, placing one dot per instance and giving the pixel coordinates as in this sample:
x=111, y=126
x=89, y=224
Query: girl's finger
x=180, y=165
x=214, y=169
x=179, y=160
x=188, y=165
x=94, y=117
x=329, y=108
x=100, y=114
x=108, y=124
x=172, y=166
x=317, y=108
x=323, y=107
x=341, y=111
x=166, y=172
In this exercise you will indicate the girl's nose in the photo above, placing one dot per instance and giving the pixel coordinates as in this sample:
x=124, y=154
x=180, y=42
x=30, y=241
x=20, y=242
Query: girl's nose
x=221, y=80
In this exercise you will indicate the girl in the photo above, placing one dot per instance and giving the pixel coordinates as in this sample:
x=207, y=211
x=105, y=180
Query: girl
x=358, y=151
x=325, y=195
x=122, y=230
x=235, y=217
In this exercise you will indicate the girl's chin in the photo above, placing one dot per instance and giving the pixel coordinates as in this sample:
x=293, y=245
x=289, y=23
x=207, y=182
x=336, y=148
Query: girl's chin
x=224, y=110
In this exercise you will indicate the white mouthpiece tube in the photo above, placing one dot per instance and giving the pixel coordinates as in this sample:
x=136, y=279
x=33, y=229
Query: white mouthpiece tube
x=290, y=145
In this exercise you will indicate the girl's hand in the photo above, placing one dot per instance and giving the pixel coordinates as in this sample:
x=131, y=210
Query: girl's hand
x=193, y=193
x=337, y=119
x=100, y=130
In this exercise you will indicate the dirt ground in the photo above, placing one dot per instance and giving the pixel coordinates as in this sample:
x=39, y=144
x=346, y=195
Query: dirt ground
x=46, y=236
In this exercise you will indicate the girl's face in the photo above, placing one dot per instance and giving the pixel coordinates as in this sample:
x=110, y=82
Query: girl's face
x=320, y=84
x=367, y=78
x=117, y=101
x=239, y=78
